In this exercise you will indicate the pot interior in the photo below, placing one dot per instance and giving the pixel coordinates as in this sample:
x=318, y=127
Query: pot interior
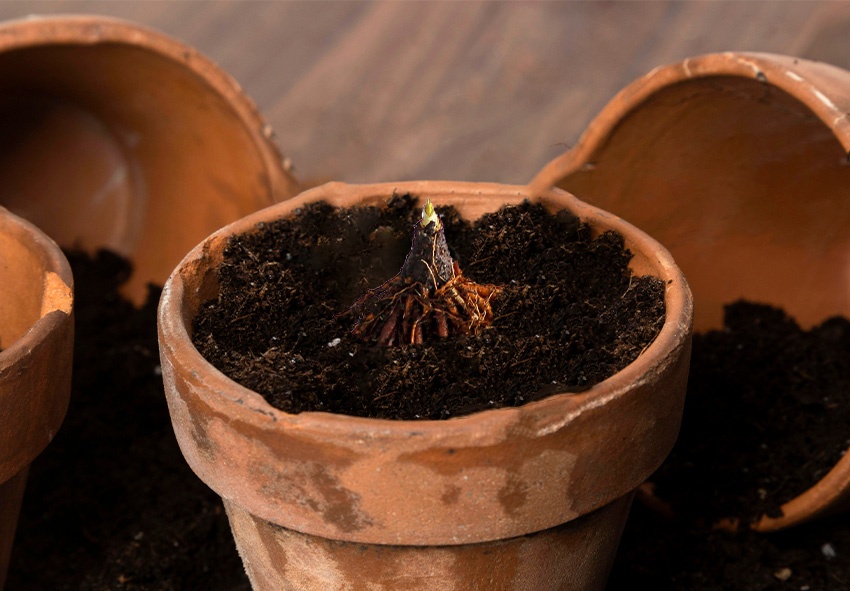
x=744, y=184
x=116, y=146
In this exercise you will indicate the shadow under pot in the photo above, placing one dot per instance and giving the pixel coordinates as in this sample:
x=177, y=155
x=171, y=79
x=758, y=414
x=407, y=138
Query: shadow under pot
x=321, y=501
x=36, y=344
x=116, y=136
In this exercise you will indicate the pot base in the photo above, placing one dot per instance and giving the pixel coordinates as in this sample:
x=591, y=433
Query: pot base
x=576, y=555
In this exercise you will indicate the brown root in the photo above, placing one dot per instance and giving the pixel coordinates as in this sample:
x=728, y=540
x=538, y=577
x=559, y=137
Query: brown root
x=429, y=298
x=406, y=312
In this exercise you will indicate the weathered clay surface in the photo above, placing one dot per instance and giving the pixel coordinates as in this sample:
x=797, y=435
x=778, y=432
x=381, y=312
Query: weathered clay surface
x=119, y=137
x=738, y=163
x=36, y=335
x=280, y=559
x=493, y=475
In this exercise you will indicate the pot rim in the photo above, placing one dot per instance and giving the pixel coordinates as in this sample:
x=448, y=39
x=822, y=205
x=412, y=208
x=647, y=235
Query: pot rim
x=251, y=405
x=55, y=266
x=812, y=83
x=87, y=30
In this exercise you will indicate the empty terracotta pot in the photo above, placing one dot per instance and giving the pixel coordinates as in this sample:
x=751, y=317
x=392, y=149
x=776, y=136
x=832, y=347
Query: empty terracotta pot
x=738, y=163
x=36, y=343
x=119, y=137
x=533, y=497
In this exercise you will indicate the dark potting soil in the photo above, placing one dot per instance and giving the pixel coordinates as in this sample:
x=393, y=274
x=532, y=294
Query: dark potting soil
x=111, y=504
x=664, y=555
x=767, y=415
x=571, y=313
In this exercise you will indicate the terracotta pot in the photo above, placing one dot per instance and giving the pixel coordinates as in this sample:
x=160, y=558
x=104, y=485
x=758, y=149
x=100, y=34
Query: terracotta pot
x=36, y=338
x=119, y=137
x=738, y=163
x=533, y=497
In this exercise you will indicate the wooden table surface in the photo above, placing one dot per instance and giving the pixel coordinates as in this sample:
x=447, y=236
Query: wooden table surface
x=478, y=91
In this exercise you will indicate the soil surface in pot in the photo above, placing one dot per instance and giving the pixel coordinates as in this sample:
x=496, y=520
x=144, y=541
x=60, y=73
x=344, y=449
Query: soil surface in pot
x=767, y=415
x=571, y=313
x=111, y=504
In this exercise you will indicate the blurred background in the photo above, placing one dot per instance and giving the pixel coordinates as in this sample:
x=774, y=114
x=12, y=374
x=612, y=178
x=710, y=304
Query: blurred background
x=476, y=91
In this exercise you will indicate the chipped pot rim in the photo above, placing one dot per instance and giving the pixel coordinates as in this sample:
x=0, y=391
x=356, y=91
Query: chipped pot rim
x=58, y=299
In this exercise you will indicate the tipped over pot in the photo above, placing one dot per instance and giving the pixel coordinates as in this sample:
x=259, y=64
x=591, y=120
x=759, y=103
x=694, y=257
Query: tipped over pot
x=530, y=497
x=36, y=344
x=736, y=162
x=116, y=136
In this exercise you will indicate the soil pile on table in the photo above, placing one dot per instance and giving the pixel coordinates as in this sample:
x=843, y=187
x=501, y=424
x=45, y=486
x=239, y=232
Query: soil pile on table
x=571, y=313
x=767, y=414
x=111, y=504
x=663, y=555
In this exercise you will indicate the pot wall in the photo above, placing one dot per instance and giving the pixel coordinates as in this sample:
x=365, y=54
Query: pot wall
x=36, y=335
x=280, y=559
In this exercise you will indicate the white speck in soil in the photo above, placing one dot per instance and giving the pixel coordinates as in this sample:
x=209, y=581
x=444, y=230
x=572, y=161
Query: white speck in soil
x=829, y=551
x=335, y=342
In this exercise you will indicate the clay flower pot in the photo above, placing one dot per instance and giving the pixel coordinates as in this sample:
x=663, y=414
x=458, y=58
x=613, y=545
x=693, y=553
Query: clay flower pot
x=737, y=162
x=533, y=497
x=119, y=137
x=36, y=338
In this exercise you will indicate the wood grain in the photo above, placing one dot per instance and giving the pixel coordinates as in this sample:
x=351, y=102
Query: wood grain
x=362, y=91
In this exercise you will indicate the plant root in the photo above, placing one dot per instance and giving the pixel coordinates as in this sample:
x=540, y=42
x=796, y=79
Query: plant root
x=404, y=311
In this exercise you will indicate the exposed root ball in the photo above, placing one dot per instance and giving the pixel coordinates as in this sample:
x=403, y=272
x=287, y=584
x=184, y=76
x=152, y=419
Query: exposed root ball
x=429, y=298
x=406, y=312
